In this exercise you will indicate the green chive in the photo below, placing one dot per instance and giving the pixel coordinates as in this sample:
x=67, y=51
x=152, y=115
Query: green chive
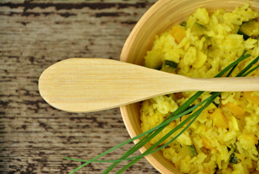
x=170, y=63
x=181, y=111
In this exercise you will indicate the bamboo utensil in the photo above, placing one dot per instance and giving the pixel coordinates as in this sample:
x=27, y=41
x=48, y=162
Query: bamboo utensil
x=86, y=85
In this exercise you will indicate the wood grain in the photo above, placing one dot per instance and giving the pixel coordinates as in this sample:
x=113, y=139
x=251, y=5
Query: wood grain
x=95, y=84
x=35, y=34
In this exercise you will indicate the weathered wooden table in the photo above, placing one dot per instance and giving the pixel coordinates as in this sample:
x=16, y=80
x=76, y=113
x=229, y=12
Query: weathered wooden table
x=35, y=34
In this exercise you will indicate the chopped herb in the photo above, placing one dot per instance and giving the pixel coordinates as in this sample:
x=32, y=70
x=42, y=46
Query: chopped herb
x=183, y=24
x=233, y=158
x=185, y=151
x=203, y=26
x=193, y=150
x=207, y=37
x=198, y=29
x=233, y=146
x=170, y=63
x=169, y=66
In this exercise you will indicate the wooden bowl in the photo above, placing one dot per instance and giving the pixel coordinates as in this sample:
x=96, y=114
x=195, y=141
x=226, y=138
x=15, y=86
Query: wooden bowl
x=159, y=18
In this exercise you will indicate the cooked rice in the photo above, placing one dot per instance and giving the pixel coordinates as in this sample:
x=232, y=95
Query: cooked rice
x=204, y=56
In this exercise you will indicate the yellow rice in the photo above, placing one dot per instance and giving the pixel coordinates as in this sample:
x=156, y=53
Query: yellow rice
x=204, y=57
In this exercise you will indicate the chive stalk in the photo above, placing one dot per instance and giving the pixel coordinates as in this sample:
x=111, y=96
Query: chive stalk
x=181, y=111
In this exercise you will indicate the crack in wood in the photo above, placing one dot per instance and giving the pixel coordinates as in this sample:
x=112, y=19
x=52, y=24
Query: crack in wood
x=68, y=6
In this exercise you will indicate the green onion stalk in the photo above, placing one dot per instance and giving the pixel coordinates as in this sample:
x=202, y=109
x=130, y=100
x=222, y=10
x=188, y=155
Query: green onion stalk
x=182, y=110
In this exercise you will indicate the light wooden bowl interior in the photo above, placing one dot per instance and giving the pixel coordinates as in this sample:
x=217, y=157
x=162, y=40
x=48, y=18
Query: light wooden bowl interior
x=159, y=18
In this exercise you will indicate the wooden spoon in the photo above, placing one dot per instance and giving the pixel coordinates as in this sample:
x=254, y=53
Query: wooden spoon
x=93, y=84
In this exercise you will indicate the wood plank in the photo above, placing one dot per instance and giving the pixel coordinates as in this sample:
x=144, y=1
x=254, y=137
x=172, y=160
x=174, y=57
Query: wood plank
x=35, y=34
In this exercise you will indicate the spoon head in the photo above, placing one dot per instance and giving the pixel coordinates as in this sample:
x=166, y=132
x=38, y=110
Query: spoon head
x=86, y=84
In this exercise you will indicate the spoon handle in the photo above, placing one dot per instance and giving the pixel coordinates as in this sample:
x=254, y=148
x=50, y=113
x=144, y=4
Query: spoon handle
x=93, y=84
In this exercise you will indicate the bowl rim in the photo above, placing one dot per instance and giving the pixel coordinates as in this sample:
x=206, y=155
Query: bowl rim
x=137, y=28
x=124, y=56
